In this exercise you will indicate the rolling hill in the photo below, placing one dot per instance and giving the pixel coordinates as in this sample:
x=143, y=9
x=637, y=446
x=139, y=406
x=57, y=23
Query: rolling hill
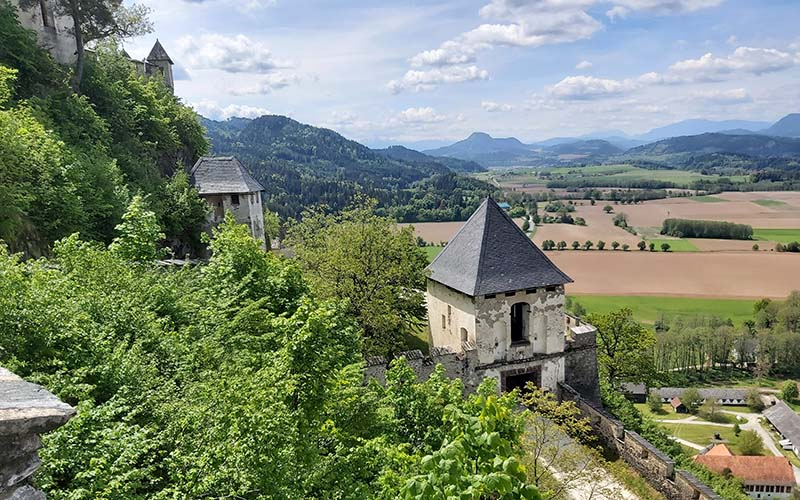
x=751, y=145
x=301, y=166
x=405, y=154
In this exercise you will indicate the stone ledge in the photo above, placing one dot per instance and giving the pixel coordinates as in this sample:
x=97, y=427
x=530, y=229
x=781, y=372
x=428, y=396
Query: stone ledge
x=27, y=408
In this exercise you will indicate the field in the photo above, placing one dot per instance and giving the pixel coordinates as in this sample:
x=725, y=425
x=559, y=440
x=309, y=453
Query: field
x=675, y=245
x=437, y=232
x=708, y=199
x=781, y=235
x=703, y=435
x=647, y=308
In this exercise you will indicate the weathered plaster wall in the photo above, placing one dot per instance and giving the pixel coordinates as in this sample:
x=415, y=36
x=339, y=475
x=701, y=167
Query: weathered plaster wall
x=458, y=311
x=55, y=37
x=249, y=211
x=26, y=411
x=652, y=464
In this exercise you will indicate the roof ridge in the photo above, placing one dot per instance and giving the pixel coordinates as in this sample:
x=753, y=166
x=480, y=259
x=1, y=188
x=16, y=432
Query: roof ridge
x=489, y=201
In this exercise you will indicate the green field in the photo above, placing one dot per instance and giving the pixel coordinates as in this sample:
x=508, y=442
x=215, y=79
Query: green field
x=648, y=308
x=707, y=199
x=781, y=235
x=666, y=413
x=769, y=203
x=703, y=435
x=677, y=245
x=432, y=252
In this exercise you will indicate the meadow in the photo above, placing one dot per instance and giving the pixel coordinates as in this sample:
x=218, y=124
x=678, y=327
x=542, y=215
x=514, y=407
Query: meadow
x=647, y=309
x=780, y=235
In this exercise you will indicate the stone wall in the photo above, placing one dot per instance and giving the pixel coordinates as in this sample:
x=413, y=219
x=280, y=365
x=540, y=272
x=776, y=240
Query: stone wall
x=650, y=462
x=26, y=411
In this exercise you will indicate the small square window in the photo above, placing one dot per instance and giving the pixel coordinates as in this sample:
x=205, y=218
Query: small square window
x=530, y=290
x=490, y=296
x=444, y=321
x=510, y=294
x=235, y=199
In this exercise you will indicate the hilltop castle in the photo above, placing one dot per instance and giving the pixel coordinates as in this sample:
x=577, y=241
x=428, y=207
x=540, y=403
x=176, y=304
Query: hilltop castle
x=496, y=309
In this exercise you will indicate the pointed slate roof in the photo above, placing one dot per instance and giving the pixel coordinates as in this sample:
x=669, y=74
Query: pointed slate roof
x=222, y=174
x=490, y=254
x=157, y=53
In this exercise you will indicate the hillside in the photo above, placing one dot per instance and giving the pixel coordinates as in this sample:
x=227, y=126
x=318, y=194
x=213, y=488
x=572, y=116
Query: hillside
x=751, y=145
x=407, y=155
x=301, y=165
x=699, y=126
x=788, y=126
x=593, y=147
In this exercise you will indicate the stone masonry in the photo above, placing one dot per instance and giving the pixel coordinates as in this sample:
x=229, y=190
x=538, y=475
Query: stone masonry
x=26, y=411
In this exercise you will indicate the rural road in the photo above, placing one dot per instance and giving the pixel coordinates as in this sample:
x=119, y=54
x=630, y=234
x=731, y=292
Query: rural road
x=754, y=425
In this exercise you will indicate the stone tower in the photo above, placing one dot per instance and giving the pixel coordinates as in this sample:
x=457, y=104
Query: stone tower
x=159, y=63
x=492, y=290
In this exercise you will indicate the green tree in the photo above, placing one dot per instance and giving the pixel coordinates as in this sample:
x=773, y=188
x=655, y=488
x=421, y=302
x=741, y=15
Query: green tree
x=654, y=402
x=575, y=245
x=183, y=214
x=750, y=443
x=608, y=209
x=665, y=247
x=601, y=245
x=625, y=247
x=139, y=234
x=272, y=228
x=615, y=245
x=562, y=245
x=624, y=347
x=736, y=429
x=642, y=245
x=789, y=390
x=652, y=246
x=588, y=245
x=526, y=225
x=755, y=247
x=753, y=399
x=691, y=399
x=96, y=20
x=370, y=262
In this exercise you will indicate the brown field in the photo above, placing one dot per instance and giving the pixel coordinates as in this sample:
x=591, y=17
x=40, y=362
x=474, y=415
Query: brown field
x=713, y=275
x=739, y=208
x=599, y=226
x=435, y=232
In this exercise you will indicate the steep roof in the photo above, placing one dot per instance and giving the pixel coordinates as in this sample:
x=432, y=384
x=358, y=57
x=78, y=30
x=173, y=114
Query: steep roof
x=719, y=450
x=157, y=53
x=785, y=420
x=223, y=174
x=752, y=469
x=490, y=254
x=711, y=393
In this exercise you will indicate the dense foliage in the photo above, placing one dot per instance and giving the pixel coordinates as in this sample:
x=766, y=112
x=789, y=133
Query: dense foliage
x=301, y=166
x=233, y=379
x=686, y=228
x=71, y=162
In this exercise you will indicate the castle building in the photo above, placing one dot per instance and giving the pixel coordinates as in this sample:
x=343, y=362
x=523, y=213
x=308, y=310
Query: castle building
x=227, y=186
x=156, y=64
x=53, y=32
x=493, y=290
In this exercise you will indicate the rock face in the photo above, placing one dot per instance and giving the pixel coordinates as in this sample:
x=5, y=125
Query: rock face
x=26, y=411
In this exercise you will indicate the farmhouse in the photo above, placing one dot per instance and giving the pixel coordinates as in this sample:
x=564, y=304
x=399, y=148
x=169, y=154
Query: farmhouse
x=763, y=477
x=787, y=423
x=636, y=393
x=227, y=186
x=678, y=405
x=730, y=397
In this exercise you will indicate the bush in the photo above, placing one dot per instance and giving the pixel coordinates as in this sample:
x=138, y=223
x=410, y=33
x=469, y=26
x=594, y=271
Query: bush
x=652, y=246
x=615, y=245
x=562, y=245
x=654, y=402
x=793, y=247
x=789, y=390
x=684, y=228
x=750, y=443
x=625, y=247
x=755, y=247
x=642, y=245
x=601, y=245
x=608, y=209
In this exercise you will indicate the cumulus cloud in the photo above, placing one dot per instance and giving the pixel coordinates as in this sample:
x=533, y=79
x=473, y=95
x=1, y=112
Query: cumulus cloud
x=494, y=107
x=589, y=87
x=268, y=84
x=583, y=65
x=420, y=115
x=450, y=53
x=744, y=60
x=211, y=109
x=419, y=80
x=237, y=54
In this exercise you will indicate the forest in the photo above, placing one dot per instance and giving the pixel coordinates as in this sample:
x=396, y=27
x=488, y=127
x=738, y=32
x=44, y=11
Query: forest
x=686, y=228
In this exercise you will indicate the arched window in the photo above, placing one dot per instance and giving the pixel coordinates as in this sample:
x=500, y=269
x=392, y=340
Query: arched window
x=520, y=315
x=464, y=335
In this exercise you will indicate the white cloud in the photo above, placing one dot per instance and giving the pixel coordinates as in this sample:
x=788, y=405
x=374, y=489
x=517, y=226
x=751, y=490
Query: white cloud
x=237, y=54
x=267, y=84
x=731, y=96
x=589, y=87
x=420, y=115
x=494, y=107
x=624, y=7
x=211, y=109
x=583, y=65
x=419, y=80
x=744, y=60
x=450, y=53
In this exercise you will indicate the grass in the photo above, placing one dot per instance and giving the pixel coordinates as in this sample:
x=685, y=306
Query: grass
x=707, y=199
x=432, y=252
x=781, y=235
x=677, y=245
x=666, y=413
x=769, y=203
x=703, y=435
x=647, y=309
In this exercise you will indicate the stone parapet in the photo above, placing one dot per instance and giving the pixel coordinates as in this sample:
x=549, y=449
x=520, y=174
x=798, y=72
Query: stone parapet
x=26, y=411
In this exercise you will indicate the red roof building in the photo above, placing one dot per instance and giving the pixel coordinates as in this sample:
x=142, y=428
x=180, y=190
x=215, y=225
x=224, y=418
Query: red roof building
x=763, y=477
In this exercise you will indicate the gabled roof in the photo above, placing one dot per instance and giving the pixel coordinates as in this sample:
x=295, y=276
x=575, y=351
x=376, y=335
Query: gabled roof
x=752, y=469
x=157, y=53
x=676, y=402
x=221, y=175
x=719, y=450
x=783, y=418
x=490, y=254
x=711, y=393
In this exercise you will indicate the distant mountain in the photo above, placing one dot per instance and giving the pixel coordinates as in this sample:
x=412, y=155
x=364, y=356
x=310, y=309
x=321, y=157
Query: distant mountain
x=750, y=145
x=593, y=147
x=697, y=126
x=301, y=166
x=788, y=126
x=479, y=145
x=409, y=155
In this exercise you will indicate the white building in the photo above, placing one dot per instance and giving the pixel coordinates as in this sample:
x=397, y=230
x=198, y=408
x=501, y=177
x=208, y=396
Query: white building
x=227, y=186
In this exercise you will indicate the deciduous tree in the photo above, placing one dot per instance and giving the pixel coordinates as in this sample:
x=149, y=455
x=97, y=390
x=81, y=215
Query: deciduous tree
x=624, y=347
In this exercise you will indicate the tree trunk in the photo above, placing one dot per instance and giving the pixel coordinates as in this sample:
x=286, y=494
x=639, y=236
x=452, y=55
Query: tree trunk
x=79, y=48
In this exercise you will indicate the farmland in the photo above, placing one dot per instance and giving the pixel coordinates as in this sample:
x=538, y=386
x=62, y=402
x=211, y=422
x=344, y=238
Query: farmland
x=647, y=309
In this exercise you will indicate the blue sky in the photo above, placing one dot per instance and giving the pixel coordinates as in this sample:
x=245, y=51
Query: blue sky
x=409, y=72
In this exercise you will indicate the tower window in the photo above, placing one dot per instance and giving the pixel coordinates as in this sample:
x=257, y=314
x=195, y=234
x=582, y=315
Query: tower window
x=444, y=321
x=464, y=335
x=520, y=316
x=235, y=199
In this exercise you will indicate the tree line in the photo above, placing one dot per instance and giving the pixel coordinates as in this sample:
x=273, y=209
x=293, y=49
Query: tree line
x=686, y=228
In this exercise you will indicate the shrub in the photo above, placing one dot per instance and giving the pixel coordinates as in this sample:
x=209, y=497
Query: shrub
x=601, y=245
x=562, y=245
x=789, y=390
x=654, y=402
x=608, y=209
x=755, y=247
x=615, y=244
x=652, y=246
x=684, y=228
x=642, y=245
x=625, y=247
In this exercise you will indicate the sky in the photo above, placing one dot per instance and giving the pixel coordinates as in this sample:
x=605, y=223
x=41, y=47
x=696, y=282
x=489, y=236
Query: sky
x=431, y=72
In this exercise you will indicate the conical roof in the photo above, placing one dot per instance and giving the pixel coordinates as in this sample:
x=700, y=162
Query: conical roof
x=223, y=175
x=491, y=254
x=157, y=53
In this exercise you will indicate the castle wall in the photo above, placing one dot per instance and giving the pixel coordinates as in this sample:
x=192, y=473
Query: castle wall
x=650, y=462
x=26, y=411
x=52, y=32
x=249, y=211
x=448, y=312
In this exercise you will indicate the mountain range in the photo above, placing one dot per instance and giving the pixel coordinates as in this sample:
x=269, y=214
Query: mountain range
x=752, y=138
